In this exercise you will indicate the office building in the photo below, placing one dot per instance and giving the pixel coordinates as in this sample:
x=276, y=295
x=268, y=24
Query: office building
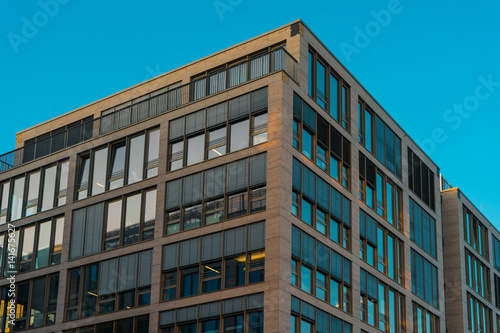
x=259, y=189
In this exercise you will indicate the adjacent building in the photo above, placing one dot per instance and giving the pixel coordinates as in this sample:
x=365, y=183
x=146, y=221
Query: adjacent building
x=259, y=189
x=472, y=266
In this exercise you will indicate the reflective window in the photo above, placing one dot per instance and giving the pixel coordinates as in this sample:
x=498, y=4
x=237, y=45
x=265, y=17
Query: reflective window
x=259, y=133
x=306, y=279
x=217, y=143
x=27, y=249
x=136, y=165
x=176, y=155
x=153, y=153
x=49, y=187
x=132, y=219
x=307, y=147
x=113, y=225
x=320, y=84
x=43, y=251
x=32, y=199
x=239, y=135
x=4, y=201
x=195, y=148
x=189, y=282
x=99, y=174
x=83, y=179
x=235, y=272
x=63, y=185
x=17, y=199
x=117, y=166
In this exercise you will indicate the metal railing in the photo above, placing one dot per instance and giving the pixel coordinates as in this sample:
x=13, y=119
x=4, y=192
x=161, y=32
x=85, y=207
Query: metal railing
x=445, y=185
x=153, y=104
x=149, y=106
x=52, y=143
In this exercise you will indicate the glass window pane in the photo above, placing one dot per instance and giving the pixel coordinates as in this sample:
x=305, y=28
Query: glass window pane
x=49, y=188
x=195, y=150
x=17, y=199
x=5, y=187
x=237, y=205
x=259, y=129
x=99, y=174
x=235, y=271
x=320, y=85
x=58, y=238
x=210, y=326
x=153, y=153
x=27, y=250
x=113, y=225
x=37, y=303
x=217, y=143
x=310, y=74
x=117, y=166
x=63, y=184
x=132, y=219
x=33, y=189
x=89, y=294
x=212, y=277
x=368, y=130
x=42, y=255
x=305, y=279
x=176, y=155
x=256, y=322
x=234, y=324
x=334, y=88
x=136, y=159
x=305, y=327
x=149, y=215
x=239, y=135
x=192, y=217
x=189, y=282
x=307, y=143
x=83, y=178
x=306, y=212
x=214, y=211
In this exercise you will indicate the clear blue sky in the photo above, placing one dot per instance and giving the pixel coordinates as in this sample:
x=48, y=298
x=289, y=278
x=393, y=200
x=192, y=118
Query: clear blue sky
x=423, y=63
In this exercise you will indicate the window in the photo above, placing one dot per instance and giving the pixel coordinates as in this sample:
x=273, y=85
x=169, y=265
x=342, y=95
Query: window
x=212, y=132
x=112, y=169
x=424, y=280
x=321, y=206
x=224, y=192
x=114, y=284
x=306, y=318
x=476, y=234
x=496, y=252
x=129, y=325
x=322, y=143
x=421, y=179
x=380, y=248
x=315, y=267
x=380, y=193
x=424, y=321
x=118, y=222
x=39, y=245
x=381, y=306
x=233, y=315
x=34, y=192
x=35, y=303
x=479, y=315
x=422, y=229
x=213, y=262
x=477, y=275
x=328, y=89
x=58, y=139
